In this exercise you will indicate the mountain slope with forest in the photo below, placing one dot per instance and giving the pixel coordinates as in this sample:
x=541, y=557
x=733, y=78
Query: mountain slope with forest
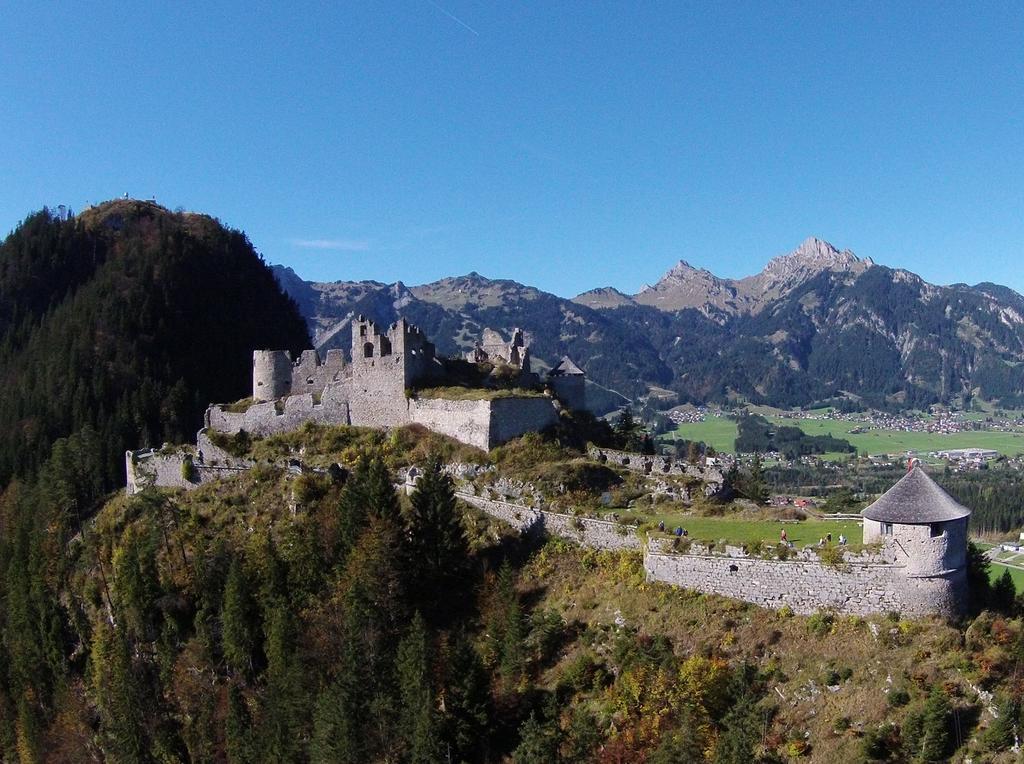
x=126, y=321
x=815, y=324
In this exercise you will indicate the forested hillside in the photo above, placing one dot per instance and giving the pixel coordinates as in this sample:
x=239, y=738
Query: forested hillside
x=121, y=324
x=322, y=617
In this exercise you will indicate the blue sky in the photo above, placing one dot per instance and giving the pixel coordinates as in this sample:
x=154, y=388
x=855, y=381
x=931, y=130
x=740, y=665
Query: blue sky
x=566, y=145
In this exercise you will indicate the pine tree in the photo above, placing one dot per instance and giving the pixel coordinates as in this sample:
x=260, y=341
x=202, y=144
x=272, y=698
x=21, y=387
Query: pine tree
x=335, y=726
x=418, y=719
x=238, y=738
x=935, y=730
x=239, y=620
x=436, y=549
x=1003, y=592
x=284, y=697
x=466, y=699
x=537, y=743
x=117, y=697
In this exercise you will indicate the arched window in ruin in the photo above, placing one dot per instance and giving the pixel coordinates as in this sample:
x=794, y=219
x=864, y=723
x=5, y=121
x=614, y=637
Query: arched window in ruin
x=368, y=350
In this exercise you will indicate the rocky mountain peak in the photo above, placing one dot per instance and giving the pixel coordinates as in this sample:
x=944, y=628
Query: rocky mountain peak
x=813, y=256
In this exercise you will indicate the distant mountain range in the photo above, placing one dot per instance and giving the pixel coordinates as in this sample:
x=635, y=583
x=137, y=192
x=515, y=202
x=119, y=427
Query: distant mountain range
x=816, y=324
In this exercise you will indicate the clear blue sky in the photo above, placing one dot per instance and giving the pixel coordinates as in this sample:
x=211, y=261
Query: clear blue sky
x=564, y=144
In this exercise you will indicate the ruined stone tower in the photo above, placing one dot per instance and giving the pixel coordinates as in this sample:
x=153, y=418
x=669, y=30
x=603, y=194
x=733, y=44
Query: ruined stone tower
x=271, y=374
x=384, y=366
x=925, y=530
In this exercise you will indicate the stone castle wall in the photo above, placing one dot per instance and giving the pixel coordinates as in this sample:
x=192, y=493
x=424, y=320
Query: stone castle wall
x=862, y=584
x=586, y=531
x=466, y=421
x=512, y=417
x=858, y=586
x=151, y=468
x=653, y=465
x=263, y=419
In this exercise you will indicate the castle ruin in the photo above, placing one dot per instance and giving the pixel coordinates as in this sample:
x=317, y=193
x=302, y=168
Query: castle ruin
x=388, y=382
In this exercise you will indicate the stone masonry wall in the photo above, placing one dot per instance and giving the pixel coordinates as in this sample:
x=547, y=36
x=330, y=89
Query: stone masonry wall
x=262, y=419
x=651, y=464
x=512, y=417
x=152, y=468
x=599, y=534
x=863, y=584
x=466, y=421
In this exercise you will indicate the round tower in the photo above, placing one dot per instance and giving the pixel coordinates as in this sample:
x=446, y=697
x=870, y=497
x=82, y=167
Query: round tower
x=271, y=374
x=923, y=529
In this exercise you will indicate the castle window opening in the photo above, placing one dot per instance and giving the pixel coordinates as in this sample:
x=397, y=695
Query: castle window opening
x=309, y=380
x=368, y=350
x=385, y=346
x=362, y=331
x=886, y=529
x=936, y=529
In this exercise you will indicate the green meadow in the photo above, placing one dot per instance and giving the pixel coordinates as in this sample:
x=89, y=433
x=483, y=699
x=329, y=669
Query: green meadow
x=720, y=432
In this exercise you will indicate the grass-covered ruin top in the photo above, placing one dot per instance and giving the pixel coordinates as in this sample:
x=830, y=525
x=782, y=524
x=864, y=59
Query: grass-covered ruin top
x=458, y=393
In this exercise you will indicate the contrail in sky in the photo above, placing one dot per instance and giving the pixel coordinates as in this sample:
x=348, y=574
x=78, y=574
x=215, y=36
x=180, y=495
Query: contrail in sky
x=454, y=18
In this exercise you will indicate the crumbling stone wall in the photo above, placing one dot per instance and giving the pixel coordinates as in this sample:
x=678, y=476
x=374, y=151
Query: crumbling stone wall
x=149, y=468
x=512, y=417
x=862, y=584
x=598, y=534
x=263, y=419
x=653, y=465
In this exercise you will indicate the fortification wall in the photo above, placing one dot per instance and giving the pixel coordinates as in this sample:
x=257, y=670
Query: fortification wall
x=309, y=375
x=571, y=390
x=651, y=464
x=262, y=419
x=926, y=554
x=466, y=421
x=271, y=374
x=377, y=394
x=862, y=584
x=145, y=469
x=512, y=417
x=586, y=531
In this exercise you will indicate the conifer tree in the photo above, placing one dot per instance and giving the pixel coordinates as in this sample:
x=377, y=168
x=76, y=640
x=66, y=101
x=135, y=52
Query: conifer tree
x=418, y=719
x=436, y=548
x=537, y=743
x=238, y=737
x=466, y=699
x=239, y=619
x=1003, y=592
x=118, y=700
x=935, y=728
x=283, y=712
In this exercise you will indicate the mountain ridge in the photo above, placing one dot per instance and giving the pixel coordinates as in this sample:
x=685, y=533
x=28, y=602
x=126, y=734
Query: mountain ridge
x=815, y=324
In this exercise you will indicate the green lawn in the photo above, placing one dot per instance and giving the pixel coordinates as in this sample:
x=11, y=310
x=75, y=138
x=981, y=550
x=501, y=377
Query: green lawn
x=750, y=531
x=995, y=570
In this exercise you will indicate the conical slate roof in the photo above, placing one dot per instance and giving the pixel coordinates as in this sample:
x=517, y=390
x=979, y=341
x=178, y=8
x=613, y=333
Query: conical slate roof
x=915, y=498
x=566, y=367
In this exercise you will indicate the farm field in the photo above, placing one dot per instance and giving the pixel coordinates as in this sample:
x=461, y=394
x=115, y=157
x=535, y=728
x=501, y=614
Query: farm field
x=720, y=432
x=717, y=431
x=890, y=441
